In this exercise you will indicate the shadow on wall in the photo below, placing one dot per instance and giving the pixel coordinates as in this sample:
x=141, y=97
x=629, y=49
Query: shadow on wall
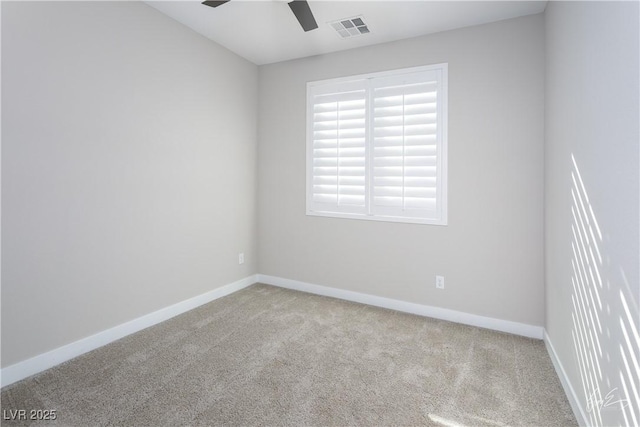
x=605, y=333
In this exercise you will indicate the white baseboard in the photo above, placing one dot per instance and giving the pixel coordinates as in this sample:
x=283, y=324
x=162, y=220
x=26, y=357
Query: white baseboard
x=47, y=360
x=516, y=328
x=578, y=409
x=44, y=361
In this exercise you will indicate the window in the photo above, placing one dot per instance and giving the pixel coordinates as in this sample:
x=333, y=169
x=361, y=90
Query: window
x=377, y=146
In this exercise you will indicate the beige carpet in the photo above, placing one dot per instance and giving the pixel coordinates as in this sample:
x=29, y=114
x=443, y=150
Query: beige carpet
x=270, y=356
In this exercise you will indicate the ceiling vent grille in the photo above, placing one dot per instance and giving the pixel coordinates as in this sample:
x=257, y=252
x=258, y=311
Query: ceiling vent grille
x=350, y=27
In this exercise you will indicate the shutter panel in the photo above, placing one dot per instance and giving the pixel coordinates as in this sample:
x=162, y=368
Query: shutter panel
x=338, y=127
x=406, y=157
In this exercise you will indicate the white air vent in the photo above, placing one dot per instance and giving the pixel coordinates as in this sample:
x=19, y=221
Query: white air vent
x=350, y=27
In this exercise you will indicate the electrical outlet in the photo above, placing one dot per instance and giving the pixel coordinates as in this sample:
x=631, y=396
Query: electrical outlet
x=241, y=258
x=440, y=282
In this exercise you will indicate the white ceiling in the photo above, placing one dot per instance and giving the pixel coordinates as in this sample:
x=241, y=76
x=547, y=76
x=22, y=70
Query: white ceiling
x=266, y=31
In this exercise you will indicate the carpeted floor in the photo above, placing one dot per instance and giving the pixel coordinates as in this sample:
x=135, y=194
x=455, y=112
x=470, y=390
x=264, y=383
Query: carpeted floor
x=270, y=356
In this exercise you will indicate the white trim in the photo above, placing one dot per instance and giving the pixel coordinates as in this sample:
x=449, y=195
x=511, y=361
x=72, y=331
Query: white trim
x=47, y=360
x=366, y=217
x=576, y=406
x=516, y=328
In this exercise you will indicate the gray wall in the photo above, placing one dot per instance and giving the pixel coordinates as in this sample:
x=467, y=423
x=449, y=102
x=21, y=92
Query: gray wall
x=491, y=253
x=592, y=112
x=128, y=169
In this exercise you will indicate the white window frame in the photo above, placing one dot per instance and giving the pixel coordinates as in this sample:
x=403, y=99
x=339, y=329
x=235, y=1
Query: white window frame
x=313, y=88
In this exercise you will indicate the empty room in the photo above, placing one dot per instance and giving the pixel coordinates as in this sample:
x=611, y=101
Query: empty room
x=320, y=213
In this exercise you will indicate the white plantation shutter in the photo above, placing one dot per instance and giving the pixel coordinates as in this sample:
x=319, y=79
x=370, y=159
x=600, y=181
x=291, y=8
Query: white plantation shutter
x=407, y=146
x=376, y=146
x=338, y=151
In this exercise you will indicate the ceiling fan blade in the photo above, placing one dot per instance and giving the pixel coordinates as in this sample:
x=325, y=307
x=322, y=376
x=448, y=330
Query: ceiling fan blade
x=214, y=3
x=301, y=9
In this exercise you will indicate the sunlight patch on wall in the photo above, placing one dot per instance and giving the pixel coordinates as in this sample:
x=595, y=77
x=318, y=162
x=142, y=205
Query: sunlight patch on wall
x=631, y=376
x=604, y=332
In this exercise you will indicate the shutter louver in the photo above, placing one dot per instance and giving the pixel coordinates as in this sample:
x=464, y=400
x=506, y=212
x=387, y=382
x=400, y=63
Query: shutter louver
x=339, y=151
